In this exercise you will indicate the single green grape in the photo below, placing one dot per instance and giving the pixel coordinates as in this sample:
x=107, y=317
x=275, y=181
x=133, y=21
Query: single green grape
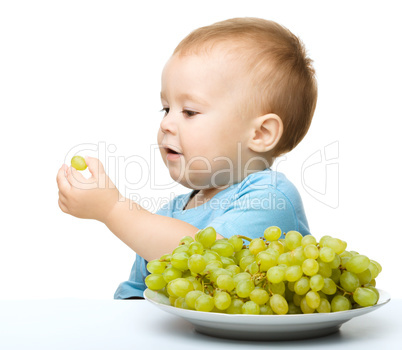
x=276, y=274
x=244, y=288
x=316, y=283
x=357, y=263
x=302, y=286
x=266, y=309
x=323, y=240
x=191, y=297
x=373, y=269
x=334, y=264
x=222, y=300
x=324, y=269
x=375, y=290
x=310, y=267
x=311, y=251
x=241, y=254
x=210, y=255
x=294, y=273
x=196, y=284
x=237, y=243
x=336, y=244
x=293, y=239
x=251, y=308
x=294, y=309
x=235, y=307
x=181, y=248
x=252, y=268
x=181, y=303
x=279, y=304
x=259, y=296
x=364, y=277
x=240, y=277
x=233, y=269
x=365, y=297
x=225, y=282
x=273, y=252
x=297, y=256
x=265, y=260
x=278, y=246
x=379, y=267
x=180, y=287
x=291, y=286
x=284, y=259
x=313, y=299
x=172, y=300
x=196, y=263
x=156, y=266
x=257, y=245
x=180, y=261
x=223, y=248
x=327, y=254
x=278, y=288
x=297, y=299
x=349, y=281
x=171, y=273
x=218, y=272
x=247, y=260
x=329, y=287
x=272, y=233
x=204, y=303
x=195, y=248
x=307, y=240
x=212, y=265
x=166, y=257
x=335, y=275
x=324, y=307
x=155, y=281
x=227, y=261
x=206, y=237
x=340, y=303
x=78, y=163
x=305, y=308
x=187, y=240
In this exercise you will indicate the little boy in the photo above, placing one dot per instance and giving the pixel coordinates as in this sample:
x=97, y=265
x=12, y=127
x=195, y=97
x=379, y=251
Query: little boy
x=235, y=95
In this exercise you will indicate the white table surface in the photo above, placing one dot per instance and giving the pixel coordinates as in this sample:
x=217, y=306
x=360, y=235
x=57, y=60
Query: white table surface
x=76, y=324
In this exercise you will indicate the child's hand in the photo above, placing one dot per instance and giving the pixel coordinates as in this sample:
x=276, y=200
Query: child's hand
x=92, y=198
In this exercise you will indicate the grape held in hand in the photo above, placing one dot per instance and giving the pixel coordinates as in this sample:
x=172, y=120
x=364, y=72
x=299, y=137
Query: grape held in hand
x=270, y=275
x=78, y=162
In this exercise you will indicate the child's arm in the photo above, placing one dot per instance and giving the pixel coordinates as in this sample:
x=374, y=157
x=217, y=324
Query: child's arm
x=149, y=235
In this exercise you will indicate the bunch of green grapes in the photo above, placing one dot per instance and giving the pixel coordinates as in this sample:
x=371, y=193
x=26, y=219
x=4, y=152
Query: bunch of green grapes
x=268, y=276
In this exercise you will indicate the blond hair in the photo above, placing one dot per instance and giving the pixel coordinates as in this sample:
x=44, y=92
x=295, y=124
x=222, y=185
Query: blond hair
x=282, y=78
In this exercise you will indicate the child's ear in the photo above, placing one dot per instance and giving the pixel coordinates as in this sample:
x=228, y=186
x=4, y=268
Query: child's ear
x=267, y=131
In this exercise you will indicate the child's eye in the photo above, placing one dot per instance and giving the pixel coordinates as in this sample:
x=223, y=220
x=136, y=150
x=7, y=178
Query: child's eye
x=165, y=109
x=189, y=113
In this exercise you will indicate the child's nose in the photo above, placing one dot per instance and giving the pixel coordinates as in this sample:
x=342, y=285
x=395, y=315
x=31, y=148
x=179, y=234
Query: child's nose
x=168, y=124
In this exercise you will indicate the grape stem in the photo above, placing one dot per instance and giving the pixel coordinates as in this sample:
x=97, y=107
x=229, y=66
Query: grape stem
x=245, y=238
x=345, y=291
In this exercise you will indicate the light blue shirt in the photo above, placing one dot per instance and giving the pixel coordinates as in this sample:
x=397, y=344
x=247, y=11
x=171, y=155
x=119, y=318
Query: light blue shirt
x=265, y=198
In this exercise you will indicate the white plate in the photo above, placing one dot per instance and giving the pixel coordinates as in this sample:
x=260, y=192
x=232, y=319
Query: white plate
x=264, y=327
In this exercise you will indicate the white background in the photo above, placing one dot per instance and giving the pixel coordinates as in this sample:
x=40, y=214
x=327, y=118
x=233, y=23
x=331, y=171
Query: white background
x=82, y=74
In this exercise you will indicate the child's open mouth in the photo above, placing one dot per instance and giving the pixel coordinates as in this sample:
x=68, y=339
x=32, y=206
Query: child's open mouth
x=172, y=154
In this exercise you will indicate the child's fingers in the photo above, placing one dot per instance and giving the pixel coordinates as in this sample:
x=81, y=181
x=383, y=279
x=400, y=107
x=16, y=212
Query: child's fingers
x=62, y=197
x=95, y=166
x=62, y=206
x=76, y=179
x=61, y=179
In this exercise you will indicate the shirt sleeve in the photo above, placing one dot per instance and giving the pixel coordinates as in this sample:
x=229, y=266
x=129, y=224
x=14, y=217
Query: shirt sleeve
x=252, y=210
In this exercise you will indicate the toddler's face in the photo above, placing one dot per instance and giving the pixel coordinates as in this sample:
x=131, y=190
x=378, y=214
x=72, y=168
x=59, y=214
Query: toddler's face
x=201, y=96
